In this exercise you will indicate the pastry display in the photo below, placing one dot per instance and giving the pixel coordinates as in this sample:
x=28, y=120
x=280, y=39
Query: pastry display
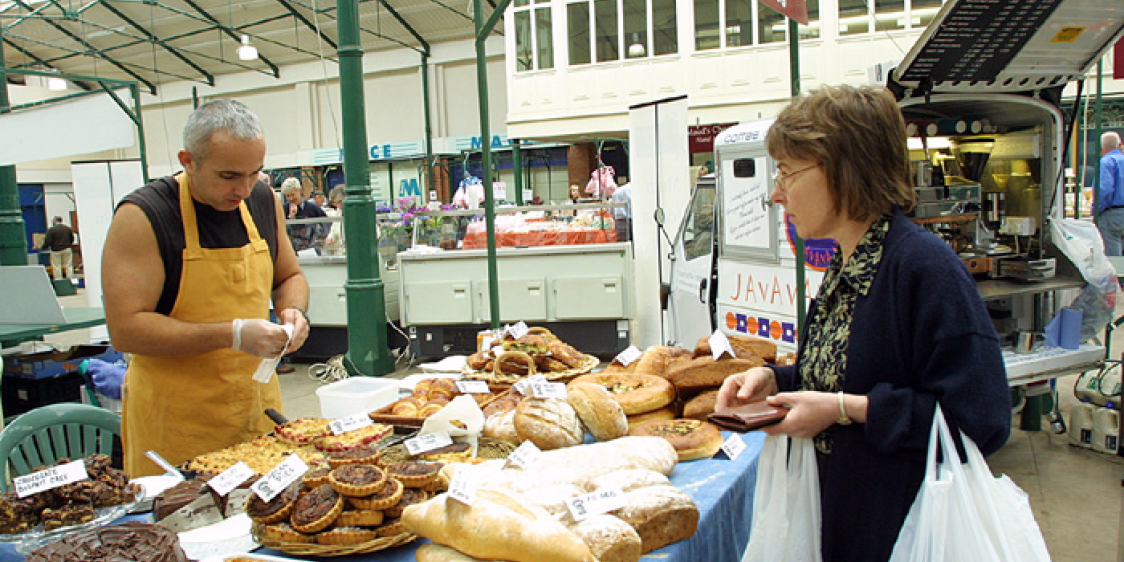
x=316, y=477
x=261, y=454
x=357, y=480
x=601, y=413
x=19, y=515
x=428, y=397
x=70, y=504
x=410, y=496
x=316, y=510
x=692, y=439
x=548, y=423
x=302, y=431
x=636, y=393
x=284, y=532
x=346, y=535
x=414, y=474
x=355, y=438
x=276, y=509
x=131, y=541
x=66, y=515
x=386, y=497
x=360, y=517
x=539, y=351
x=364, y=454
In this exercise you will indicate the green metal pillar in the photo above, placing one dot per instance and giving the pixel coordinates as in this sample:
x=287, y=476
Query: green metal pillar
x=794, y=79
x=366, y=302
x=13, y=243
x=1098, y=122
x=486, y=156
x=428, y=128
x=517, y=169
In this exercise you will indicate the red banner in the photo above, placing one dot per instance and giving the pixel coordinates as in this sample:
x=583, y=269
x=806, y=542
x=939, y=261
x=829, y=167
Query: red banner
x=795, y=9
x=701, y=137
x=1118, y=60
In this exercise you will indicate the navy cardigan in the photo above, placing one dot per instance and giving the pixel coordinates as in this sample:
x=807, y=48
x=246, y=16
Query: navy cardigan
x=921, y=335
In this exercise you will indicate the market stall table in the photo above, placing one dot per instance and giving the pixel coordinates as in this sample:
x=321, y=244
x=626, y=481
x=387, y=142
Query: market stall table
x=722, y=489
x=76, y=319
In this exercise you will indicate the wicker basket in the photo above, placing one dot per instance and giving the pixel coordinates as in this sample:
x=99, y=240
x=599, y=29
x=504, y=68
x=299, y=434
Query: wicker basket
x=588, y=364
x=313, y=549
x=486, y=448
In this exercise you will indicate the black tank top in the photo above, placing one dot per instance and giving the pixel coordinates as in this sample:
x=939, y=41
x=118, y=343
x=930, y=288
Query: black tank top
x=160, y=201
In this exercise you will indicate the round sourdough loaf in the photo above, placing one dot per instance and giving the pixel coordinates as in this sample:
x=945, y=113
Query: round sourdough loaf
x=598, y=410
x=502, y=427
x=548, y=423
x=636, y=393
x=692, y=439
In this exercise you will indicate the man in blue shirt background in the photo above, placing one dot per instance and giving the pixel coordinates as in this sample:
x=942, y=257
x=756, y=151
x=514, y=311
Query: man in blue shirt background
x=1110, y=219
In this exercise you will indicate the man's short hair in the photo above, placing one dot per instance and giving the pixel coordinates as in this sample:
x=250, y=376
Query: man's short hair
x=290, y=185
x=229, y=116
x=57, y=219
x=1110, y=140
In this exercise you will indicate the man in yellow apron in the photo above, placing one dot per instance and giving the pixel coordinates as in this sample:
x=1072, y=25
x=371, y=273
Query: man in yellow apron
x=190, y=264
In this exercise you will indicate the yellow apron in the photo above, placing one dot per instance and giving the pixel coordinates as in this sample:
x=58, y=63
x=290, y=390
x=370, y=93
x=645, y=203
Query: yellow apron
x=181, y=407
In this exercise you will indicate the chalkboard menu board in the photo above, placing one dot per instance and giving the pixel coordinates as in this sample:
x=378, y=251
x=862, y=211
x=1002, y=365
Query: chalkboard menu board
x=977, y=39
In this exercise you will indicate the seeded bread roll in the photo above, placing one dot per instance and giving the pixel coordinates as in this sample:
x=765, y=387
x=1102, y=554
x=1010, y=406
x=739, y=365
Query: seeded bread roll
x=609, y=538
x=548, y=423
x=661, y=515
x=704, y=373
x=745, y=347
x=692, y=439
x=636, y=393
x=598, y=410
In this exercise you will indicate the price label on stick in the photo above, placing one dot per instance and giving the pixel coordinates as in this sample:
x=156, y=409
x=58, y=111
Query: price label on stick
x=473, y=387
x=428, y=442
x=286, y=472
x=464, y=484
x=542, y=389
x=349, y=423
x=601, y=501
x=50, y=478
x=733, y=446
x=231, y=478
x=628, y=356
x=519, y=330
x=719, y=345
x=524, y=455
x=524, y=386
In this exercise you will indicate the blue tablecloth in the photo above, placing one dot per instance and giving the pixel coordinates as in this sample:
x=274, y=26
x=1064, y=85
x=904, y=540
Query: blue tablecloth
x=722, y=490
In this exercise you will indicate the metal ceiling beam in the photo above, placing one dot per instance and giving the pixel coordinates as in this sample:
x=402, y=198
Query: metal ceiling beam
x=80, y=41
x=230, y=32
x=42, y=62
x=165, y=46
x=300, y=17
x=406, y=24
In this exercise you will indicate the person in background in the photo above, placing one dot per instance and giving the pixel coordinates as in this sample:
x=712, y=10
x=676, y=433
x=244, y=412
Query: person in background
x=191, y=264
x=897, y=326
x=333, y=244
x=318, y=198
x=58, y=240
x=304, y=236
x=623, y=216
x=1110, y=208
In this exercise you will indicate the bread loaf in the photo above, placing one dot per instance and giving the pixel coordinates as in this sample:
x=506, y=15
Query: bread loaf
x=745, y=347
x=598, y=410
x=629, y=479
x=657, y=358
x=553, y=499
x=498, y=525
x=693, y=439
x=548, y=423
x=437, y=553
x=609, y=538
x=704, y=373
x=636, y=393
x=502, y=427
x=668, y=412
x=701, y=406
x=661, y=515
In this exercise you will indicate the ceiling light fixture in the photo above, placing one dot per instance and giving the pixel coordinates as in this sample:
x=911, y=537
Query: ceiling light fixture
x=636, y=49
x=247, y=51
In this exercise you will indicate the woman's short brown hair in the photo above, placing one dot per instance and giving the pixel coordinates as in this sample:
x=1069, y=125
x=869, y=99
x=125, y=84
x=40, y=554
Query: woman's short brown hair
x=857, y=135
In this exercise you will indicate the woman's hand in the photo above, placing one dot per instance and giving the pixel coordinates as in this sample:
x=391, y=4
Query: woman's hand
x=809, y=413
x=749, y=386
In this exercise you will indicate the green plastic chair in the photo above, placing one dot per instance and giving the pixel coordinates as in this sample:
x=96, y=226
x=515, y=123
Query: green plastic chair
x=58, y=431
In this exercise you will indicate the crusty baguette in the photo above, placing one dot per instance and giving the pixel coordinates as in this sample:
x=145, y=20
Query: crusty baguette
x=437, y=553
x=661, y=515
x=704, y=373
x=745, y=347
x=498, y=525
x=609, y=538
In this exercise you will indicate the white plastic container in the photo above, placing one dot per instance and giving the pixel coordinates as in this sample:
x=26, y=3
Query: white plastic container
x=1081, y=424
x=1099, y=388
x=356, y=394
x=1106, y=430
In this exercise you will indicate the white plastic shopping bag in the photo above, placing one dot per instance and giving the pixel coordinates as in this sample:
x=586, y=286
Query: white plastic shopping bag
x=963, y=513
x=786, y=503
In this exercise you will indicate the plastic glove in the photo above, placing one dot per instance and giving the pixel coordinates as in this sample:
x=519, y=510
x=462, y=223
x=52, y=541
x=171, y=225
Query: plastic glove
x=108, y=377
x=261, y=338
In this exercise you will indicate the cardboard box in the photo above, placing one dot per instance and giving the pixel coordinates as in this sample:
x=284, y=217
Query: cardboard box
x=53, y=363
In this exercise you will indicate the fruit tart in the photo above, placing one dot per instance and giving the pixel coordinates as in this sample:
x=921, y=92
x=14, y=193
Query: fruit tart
x=302, y=431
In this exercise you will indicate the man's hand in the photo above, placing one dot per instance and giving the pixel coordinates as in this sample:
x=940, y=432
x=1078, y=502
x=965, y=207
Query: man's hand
x=263, y=338
x=293, y=211
x=300, y=326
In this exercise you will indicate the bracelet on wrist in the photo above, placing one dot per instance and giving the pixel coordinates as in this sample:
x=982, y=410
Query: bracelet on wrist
x=303, y=313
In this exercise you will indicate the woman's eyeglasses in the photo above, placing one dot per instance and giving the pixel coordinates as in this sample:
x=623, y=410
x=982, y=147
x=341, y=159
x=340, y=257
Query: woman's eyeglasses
x=781, y=180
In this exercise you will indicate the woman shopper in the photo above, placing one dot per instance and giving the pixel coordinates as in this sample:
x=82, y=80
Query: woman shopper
x=897, y=326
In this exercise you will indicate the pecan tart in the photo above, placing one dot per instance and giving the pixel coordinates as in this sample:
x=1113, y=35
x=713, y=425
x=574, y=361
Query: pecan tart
x=346, y=535
x=366, y=454
x=413, y=474
x=316, y=477
x=276, y=509
x=316, y=510
x=302, y=431
x=285, y=533
x=386, y=497
x=360, y=518
x=391, y=528
x=357, y=480
x=410, y=496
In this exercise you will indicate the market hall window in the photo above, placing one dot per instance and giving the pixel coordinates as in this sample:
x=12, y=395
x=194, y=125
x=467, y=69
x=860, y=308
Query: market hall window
x=740, y=18
x=609, y=30
x=533, y=36
x=856, y=17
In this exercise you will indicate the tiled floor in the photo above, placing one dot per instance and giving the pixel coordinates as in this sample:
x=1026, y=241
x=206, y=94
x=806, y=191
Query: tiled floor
x=1076, y=493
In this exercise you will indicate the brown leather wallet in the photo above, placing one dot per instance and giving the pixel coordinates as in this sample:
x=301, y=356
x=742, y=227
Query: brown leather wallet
x=748, y=417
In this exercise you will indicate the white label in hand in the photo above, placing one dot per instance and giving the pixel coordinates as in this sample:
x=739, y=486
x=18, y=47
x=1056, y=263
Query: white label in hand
x=733, y=446
x=464, y=484
x=601, y=501
x=349, y=423
x=428, y=442
x=50, y=478
x=231, y=478
x=473, y=387
x=286, y=472
x=519, y=330
x=540, y=389
x=628, y=356
x=524, y=455
x=720, y=344
x=268, y=365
